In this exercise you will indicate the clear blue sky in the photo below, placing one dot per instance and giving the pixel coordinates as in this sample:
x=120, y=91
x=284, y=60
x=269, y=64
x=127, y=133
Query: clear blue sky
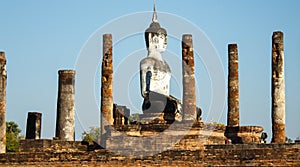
x=41, y=37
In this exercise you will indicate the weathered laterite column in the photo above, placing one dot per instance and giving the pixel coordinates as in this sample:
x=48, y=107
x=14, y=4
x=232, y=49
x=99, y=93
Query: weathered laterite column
x=233, y=117
x=189, y=91
x=2, y=102
x=278, y=89
x=65, y=127
x=33, y=128
x=107, y=84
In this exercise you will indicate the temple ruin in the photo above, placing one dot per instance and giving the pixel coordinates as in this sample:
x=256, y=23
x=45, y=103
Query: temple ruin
x=170, y=131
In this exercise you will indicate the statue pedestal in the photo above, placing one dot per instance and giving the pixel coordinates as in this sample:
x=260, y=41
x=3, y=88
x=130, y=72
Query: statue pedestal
x=150, y=139
x=159, y=118
x=152, y=118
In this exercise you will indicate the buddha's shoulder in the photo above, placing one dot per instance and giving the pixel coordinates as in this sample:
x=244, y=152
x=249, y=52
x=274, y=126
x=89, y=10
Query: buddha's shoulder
x=149, y=60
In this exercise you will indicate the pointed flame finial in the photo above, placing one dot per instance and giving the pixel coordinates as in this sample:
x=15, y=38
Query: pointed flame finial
x=154, y=19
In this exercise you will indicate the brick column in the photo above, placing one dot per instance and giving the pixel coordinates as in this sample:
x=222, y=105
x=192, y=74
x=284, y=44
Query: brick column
x=278, y=89
x=189, y=90
x=65, y=128
x=107, y=83
x=33, y=128
x=233, y=116
x=2, y=102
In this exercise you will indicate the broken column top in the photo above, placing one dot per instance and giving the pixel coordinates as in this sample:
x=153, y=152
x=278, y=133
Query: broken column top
x=232, y=47
x=35, y=113
x=2, y=56
x=107, y=45
x=278, y=38
x=188, y=53
x=105, y=36
x=66, y=77
x=66, y=72
x=107, y=39
x=278, y=33
x=187, y=39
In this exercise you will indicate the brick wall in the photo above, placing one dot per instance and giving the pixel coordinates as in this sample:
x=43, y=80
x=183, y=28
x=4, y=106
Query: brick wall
x=216, y=155
x=51, y=146
x=253, y=154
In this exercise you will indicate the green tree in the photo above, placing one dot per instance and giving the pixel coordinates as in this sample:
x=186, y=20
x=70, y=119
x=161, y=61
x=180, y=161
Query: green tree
x=134, y=118
x=92, y=135
x=12, y=136
x=218, y=124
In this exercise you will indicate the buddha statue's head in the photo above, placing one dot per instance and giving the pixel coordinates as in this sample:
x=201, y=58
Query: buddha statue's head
x=156, y=36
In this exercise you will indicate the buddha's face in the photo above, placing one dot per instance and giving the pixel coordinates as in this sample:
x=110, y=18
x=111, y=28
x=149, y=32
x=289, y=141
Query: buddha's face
x=157, y=42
